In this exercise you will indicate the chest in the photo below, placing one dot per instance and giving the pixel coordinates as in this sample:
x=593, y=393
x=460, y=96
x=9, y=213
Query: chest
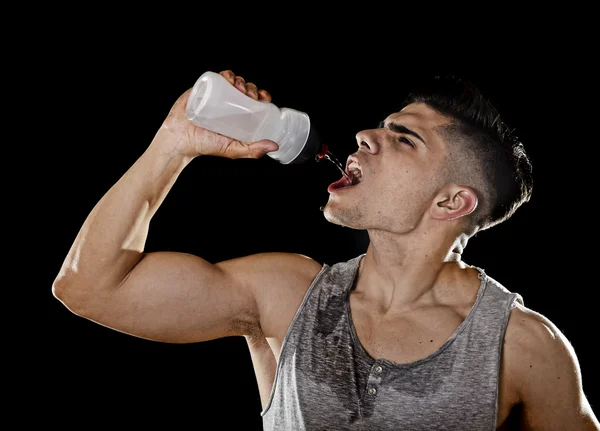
x=406, y=337
x=340, y=360
x=416, y=335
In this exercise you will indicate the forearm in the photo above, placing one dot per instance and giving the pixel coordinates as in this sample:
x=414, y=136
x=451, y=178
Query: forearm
x=112, y=239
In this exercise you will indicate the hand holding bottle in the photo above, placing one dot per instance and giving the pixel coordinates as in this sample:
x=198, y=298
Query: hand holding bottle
x=225, y=104
x=192, y=140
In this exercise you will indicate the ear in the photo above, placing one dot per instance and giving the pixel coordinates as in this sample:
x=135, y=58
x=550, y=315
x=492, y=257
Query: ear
x=453, y=202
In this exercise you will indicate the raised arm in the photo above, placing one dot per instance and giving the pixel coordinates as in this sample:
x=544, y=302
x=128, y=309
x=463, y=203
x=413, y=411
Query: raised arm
x=171, y=297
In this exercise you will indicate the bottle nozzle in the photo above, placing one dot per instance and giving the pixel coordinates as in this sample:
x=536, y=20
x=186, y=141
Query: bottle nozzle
x=322, y=152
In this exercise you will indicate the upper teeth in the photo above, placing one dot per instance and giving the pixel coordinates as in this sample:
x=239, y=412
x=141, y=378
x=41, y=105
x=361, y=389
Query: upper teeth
x=355, y=172
x=353, y=165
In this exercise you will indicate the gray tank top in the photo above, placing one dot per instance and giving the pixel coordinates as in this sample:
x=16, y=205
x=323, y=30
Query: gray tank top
x=325, y=380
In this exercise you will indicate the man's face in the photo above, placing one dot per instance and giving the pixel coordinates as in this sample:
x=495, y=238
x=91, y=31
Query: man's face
x=398, y=167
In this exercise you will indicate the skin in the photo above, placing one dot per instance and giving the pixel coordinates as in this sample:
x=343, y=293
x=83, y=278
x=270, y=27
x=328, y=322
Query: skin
x=412, y=278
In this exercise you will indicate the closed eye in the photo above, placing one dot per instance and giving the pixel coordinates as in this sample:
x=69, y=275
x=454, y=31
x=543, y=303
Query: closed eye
x=405, y=140
x=400, y=128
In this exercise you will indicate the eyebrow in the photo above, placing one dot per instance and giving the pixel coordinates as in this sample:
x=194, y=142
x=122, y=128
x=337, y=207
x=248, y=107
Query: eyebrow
x=400, y=128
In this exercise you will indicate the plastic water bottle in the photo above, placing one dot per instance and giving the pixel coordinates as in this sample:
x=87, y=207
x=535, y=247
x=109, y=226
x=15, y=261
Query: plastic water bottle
x=216, y=105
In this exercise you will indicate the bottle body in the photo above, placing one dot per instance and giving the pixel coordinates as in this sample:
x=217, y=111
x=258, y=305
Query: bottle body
x=216, y=105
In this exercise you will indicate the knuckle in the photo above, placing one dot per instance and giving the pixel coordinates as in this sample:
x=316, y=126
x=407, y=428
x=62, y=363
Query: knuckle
x=228, y=75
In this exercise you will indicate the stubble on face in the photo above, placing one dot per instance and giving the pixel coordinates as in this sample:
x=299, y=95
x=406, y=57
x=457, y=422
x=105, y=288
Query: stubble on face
x=401, y=192
x=394, y=204
x=350, y=214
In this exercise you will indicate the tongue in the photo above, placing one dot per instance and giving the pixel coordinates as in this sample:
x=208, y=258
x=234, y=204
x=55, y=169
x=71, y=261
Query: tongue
x=342, y=182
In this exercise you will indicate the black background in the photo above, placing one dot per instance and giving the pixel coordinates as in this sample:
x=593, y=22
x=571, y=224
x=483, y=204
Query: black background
x=115, y=85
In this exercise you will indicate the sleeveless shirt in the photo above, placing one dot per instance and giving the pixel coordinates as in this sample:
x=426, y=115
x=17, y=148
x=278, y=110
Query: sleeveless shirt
x=325, y=379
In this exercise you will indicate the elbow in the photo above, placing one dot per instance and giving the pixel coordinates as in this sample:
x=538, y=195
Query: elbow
x=71, y=295
x=59, y=289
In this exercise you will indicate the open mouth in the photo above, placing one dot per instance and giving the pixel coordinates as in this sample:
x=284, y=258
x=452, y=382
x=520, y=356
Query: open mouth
x=352, y=178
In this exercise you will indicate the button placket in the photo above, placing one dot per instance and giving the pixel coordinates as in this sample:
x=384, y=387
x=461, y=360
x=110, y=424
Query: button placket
x=374, y=380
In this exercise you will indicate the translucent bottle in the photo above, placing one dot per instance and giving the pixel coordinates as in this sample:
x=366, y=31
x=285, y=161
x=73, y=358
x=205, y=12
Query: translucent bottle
x=216, y=105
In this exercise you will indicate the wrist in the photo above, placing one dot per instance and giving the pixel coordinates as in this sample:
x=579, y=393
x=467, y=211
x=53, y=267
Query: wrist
x=172, y=144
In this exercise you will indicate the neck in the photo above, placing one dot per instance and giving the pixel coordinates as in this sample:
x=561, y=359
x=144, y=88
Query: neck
x=399, y=271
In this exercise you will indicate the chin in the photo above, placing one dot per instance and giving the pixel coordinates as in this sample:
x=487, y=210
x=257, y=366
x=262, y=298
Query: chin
x=345, y=217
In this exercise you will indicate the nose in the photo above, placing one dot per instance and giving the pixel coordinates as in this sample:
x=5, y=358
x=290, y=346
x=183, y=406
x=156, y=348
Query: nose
x=367, y=141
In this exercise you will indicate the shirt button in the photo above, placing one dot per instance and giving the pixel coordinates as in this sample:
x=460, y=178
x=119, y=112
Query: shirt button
x=372, y=391
x=378, y=369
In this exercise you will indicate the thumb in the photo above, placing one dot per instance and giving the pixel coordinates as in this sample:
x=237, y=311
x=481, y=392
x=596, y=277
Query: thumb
x=260, y=148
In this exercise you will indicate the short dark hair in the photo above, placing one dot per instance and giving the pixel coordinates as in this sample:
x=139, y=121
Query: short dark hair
x=484, y=151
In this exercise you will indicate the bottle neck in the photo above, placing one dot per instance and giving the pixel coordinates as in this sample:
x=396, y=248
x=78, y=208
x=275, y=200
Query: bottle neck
x=292, y=135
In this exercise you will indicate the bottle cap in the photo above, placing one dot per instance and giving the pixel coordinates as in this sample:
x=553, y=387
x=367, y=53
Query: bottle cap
x=311, y=147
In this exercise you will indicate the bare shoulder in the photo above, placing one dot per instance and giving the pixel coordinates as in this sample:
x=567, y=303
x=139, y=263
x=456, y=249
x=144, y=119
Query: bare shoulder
x=542, y=366
x=278, y=282
x=530, y=334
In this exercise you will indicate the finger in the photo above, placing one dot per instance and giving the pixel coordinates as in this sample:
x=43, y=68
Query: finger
x=240, y=84
x=251, y=90
x=258, y=149
x=264, y=96
x=248, y=150
x=228, y=75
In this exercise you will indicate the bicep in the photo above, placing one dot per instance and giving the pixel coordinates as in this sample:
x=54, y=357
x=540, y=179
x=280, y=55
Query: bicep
x=551, y=388
x=177, y=298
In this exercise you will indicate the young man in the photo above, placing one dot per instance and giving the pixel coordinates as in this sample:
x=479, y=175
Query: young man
x=405, y=336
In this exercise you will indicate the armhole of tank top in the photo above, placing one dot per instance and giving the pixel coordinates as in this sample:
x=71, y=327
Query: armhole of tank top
x=287, y=336
x=512, y=303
